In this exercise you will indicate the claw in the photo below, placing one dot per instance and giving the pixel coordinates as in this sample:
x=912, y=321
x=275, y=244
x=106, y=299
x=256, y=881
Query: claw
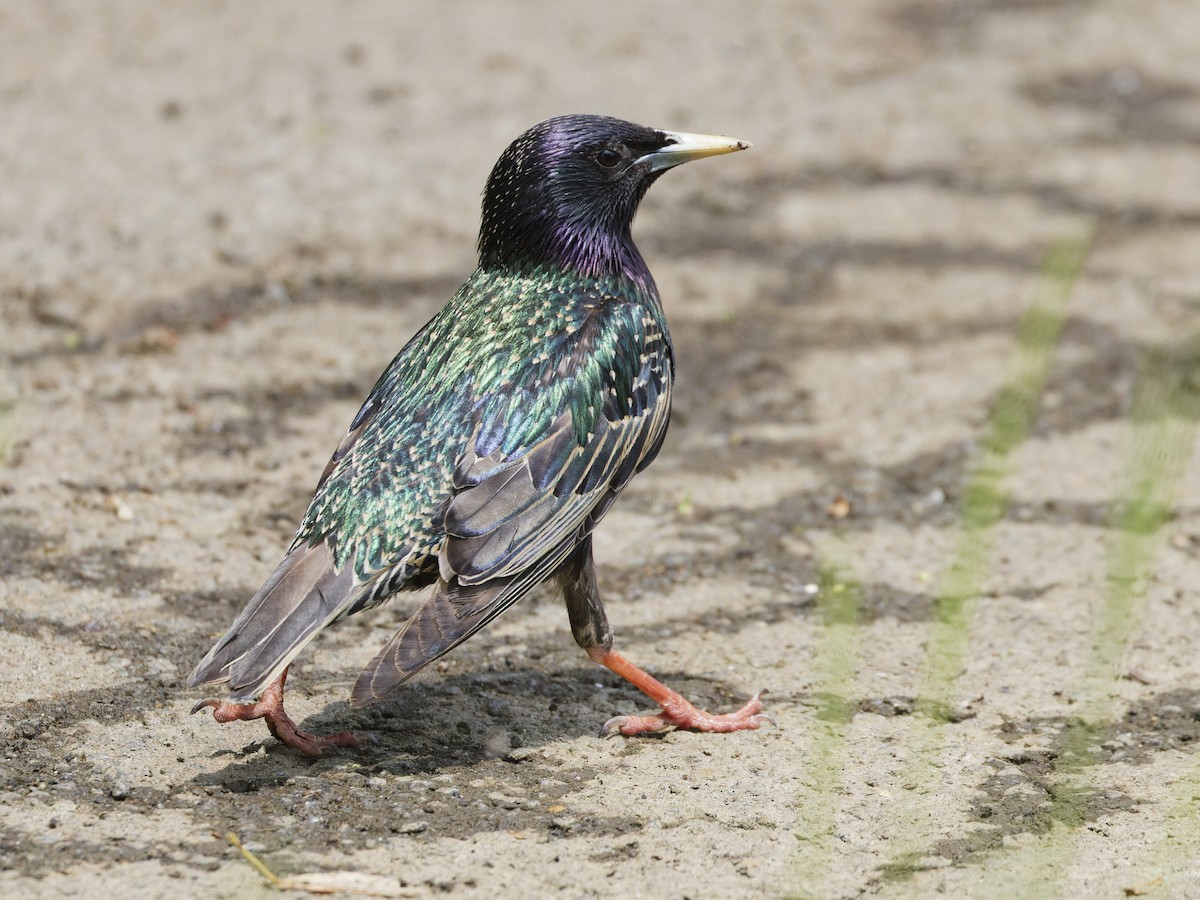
x=631, y=725
x=678, y=713
x=270, y=708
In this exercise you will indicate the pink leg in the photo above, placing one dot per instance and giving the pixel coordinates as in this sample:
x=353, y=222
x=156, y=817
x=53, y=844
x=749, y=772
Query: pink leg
x=270, y=707
x=676, y=711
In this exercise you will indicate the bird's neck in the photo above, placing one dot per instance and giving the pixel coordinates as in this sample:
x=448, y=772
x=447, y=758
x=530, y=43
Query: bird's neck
x=599, y=254
x=587, y=253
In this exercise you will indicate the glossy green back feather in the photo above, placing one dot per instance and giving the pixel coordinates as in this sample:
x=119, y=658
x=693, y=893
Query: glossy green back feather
x=494, y=369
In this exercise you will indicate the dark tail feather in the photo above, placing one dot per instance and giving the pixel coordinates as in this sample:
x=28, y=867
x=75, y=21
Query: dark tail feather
x=303, y=596
x=448, y=617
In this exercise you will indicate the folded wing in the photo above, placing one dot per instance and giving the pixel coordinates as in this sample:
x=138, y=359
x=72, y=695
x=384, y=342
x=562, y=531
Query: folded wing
x=515, y=515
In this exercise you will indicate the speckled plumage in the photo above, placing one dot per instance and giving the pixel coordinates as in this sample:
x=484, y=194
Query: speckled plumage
x=503, y=431
x=499, y=365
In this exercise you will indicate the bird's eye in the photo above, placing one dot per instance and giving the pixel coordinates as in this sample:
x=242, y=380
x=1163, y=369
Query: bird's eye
x=608, y=158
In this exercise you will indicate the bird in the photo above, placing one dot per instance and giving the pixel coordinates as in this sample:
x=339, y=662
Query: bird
x=494, y=442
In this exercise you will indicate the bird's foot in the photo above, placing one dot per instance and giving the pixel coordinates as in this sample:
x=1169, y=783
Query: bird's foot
x=676, y=711
x=270, y=708
x=679, y=713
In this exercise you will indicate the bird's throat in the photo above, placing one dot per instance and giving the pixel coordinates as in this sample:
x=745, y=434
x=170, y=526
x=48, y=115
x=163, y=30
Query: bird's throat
x=591, y=254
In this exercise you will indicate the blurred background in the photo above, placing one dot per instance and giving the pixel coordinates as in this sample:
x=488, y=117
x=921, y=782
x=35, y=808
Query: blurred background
x=219, y=221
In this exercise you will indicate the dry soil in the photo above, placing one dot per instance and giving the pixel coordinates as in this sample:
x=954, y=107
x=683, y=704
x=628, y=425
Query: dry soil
x=219, y=221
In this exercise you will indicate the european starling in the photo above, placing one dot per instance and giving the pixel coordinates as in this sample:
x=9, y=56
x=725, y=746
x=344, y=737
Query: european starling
x=496, y=440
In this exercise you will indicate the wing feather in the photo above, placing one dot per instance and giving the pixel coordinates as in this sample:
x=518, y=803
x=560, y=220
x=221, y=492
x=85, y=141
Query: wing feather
x=511, y=513
x=451, y=614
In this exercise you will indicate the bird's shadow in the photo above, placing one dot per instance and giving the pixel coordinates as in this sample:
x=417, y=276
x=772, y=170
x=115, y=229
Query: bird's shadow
x=459, y=721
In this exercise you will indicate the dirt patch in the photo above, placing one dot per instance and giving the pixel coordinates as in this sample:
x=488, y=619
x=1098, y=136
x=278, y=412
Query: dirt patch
x=219, y=227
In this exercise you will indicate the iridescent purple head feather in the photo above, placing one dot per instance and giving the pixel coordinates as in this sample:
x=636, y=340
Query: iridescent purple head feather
x=565, y=193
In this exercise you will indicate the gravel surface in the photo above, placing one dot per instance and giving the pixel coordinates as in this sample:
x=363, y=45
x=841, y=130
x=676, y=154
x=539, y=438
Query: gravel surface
x=220, y=220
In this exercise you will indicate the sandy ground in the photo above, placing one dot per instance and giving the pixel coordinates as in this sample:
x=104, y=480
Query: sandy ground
x=219, y=221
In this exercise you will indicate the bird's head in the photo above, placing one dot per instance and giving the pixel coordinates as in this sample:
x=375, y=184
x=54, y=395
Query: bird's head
x=565, y=192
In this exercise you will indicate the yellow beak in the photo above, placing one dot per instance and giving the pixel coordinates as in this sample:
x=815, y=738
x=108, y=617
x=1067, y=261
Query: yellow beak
x=682, y=147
